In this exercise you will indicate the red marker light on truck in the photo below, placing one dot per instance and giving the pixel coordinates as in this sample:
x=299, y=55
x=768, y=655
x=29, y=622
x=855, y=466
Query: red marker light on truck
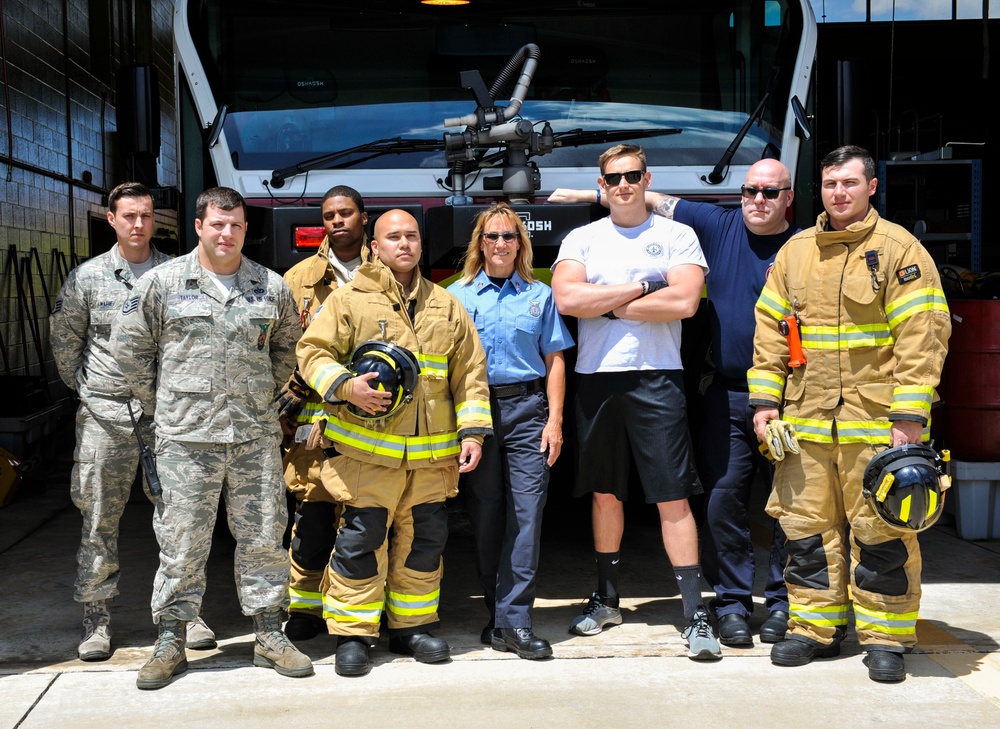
x=308, y=238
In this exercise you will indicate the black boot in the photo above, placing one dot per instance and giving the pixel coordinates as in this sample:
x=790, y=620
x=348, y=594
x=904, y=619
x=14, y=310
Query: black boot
x=774, y=628
x=522, y=642
x=304, y=626
x=734, y=630
x=885, y=666
x=798, y=651
x=422, y=646
x=352, y=656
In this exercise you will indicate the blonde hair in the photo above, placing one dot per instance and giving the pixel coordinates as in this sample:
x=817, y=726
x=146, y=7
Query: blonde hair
x=473, y=262
x=621, y=150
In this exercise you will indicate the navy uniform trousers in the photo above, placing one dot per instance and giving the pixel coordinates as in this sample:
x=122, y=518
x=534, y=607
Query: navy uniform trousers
x=504, y=498
x=730, y=459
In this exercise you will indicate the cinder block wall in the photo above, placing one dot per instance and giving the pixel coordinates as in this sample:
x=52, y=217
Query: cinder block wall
x=58, y=151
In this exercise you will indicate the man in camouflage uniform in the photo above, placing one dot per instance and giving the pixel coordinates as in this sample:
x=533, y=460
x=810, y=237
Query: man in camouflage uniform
x=316, y=513
x=107, y=453
x=204, y=343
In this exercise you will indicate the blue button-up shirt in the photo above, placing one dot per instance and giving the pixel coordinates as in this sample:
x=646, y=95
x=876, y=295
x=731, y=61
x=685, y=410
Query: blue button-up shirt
x=518, y=325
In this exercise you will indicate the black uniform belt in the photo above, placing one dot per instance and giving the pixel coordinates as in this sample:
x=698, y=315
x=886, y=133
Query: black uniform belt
x=518, y=388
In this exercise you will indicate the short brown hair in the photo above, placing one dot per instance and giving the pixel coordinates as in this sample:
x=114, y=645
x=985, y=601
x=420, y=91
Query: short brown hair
x=842, y=155
x=127, y=189
x=224, y=198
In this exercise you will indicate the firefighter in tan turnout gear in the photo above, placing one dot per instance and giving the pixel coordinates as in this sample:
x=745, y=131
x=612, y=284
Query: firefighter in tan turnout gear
x=394, y=467
x=866, y=300
x=316, y=513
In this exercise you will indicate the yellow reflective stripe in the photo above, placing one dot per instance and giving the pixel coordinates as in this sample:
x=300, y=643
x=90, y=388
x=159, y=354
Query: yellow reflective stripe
x=415, y=447
x=817, y=431
x=765, y=382
x=927, y=299
x=304, y=600
x=875, y=432
x=333, y=609
x=846, y=336
x=402, y=604
x=823, y=616
x=477, y=411
x=917, y=397
x=325, y=376
x=773, y=304
x=432, y=365
x=441, y=445
x=310, y=413
x=881, y=621
x=372, y=441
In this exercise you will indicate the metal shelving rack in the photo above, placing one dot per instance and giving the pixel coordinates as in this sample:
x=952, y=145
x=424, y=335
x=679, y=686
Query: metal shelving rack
x=940, y=201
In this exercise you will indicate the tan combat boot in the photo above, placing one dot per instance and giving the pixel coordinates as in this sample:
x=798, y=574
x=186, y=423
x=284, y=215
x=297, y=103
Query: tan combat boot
x=96, y=642
x=273, y=649
x=168, y=658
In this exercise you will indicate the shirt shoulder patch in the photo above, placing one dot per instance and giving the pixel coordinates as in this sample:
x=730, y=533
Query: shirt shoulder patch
x=908, y=273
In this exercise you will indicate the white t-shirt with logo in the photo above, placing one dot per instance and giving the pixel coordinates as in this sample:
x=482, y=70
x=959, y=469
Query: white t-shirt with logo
x=614, y=255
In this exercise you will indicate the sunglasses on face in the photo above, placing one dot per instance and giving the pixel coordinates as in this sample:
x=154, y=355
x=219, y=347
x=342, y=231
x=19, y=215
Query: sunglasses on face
x=507, y=235
x=769, y=193
x=632, y=177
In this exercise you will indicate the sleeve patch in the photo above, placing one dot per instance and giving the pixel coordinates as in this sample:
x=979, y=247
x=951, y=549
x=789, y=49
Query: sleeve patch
x=908, y=273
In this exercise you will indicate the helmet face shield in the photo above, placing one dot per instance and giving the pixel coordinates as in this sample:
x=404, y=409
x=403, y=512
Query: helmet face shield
x=397, y=373
x=903, y=485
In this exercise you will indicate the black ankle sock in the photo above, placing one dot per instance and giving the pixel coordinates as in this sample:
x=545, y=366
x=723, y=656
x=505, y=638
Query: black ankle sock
x=689, y=583
x=607, y=577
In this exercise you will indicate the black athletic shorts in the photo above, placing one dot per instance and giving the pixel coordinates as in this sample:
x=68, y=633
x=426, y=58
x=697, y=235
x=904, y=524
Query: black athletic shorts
x=638, y=415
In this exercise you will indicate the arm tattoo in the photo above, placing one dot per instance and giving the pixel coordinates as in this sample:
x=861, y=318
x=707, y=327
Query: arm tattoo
x=666, y=206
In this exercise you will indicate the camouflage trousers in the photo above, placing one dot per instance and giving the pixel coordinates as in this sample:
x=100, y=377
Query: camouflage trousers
x=194, y=476
x=106, y=459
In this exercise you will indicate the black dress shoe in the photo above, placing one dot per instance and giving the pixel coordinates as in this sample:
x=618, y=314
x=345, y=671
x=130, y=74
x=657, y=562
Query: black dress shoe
x=796, y=651
x=352, y=656
x=521, y=641
x=774, y=628
x=885, y=666
x=486, y=637
x=303, y=626
x=424, y=647
x=734, y=630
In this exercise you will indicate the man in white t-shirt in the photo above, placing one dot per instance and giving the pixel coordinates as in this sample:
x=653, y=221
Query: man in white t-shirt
x=629, y=279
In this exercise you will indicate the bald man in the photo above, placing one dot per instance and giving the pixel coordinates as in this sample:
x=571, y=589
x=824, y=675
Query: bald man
x=393, y=463
x=739, y=246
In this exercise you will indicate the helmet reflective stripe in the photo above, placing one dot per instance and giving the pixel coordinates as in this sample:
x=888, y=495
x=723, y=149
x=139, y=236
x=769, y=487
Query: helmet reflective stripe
x=904, y=486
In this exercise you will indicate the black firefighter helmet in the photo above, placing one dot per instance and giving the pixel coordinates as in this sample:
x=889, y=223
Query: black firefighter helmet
x=905, y=486
x=398, y=372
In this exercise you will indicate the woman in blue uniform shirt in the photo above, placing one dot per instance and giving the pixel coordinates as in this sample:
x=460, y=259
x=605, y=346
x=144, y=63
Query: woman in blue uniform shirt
x=524, y=338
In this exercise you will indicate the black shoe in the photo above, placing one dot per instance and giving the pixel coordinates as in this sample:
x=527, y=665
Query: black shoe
x=797, y=651
x=774, y=628
x=422, y=646
x=521, y=641
x=486, y=637
x=734, y=630
x=885, y=666
x=352, y=656
x=303, y=626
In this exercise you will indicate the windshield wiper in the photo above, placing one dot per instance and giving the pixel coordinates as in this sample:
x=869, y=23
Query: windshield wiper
x=370, y=150
x=718, y=173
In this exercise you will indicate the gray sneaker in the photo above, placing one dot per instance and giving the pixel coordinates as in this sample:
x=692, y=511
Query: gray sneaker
x=594, y=617
x=701, y=641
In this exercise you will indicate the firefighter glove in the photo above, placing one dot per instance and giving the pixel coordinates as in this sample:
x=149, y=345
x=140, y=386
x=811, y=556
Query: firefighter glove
x=779, y=439
x=292, y=396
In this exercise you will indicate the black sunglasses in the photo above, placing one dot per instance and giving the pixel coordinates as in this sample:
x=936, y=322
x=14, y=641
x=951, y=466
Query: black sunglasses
x=632, y=177
x=507, y=235
x=769, y=193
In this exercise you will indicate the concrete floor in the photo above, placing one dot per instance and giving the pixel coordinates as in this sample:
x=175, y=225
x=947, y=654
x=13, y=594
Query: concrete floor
x=633, y=675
